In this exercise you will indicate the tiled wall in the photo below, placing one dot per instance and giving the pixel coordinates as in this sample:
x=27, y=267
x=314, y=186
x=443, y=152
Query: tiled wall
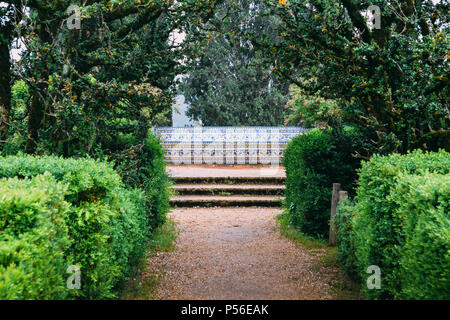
x=225, y=145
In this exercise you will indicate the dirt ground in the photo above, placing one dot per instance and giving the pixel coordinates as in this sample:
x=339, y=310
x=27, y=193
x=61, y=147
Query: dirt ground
x=237, y=253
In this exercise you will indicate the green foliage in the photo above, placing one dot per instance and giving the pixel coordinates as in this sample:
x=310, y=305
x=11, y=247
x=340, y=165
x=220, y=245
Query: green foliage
x=14, y=144
x=86, y=178
x=33, y=238
x=20, y=102
x=345, y=242
x=94, y=91
x=424, y=227
x=391, y=82
x=131, y=228
x=310, y=111
x=229, y=86
x=144, y=166
x=376, y=236
x=107, y=226
x=20, y=96
x=399, y=222
x=89, y=86
x=313, y=162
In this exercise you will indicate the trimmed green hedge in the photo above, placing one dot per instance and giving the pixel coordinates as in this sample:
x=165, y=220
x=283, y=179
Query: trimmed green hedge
x=313, y=162
x=33, y=238
x=107, y=225
x=144, y=166
x=86, y=178
x=399, y=222
x=424, y=229
x=343, y=224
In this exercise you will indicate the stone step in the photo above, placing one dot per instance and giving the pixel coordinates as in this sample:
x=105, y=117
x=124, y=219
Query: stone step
x=230, y=180
x=225, y=201
x=227, y=189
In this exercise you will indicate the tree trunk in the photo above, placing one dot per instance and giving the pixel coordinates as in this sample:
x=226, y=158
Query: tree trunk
x=34, y=122
x=36, y=113
x=5, y=89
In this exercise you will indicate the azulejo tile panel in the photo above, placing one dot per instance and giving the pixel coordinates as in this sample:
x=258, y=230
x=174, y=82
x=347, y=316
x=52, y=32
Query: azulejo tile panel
x=225, y=145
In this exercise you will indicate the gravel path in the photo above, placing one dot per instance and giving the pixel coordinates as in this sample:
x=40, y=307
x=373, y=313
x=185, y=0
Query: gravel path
x=237, y=253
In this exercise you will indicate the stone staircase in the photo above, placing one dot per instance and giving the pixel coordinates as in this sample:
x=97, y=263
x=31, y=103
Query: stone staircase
x=228, y=191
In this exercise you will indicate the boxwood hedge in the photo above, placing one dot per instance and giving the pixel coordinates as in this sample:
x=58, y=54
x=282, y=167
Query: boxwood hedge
x=144, y=167
x=399, y=221
x=313, y=162
x=33, y=238
x=104, y=227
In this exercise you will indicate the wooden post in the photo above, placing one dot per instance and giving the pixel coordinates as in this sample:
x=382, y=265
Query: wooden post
x=334, y=203
x=343, y=195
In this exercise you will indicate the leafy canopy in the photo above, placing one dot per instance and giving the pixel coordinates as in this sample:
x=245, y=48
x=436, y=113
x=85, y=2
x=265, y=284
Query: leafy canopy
x=392, y=82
